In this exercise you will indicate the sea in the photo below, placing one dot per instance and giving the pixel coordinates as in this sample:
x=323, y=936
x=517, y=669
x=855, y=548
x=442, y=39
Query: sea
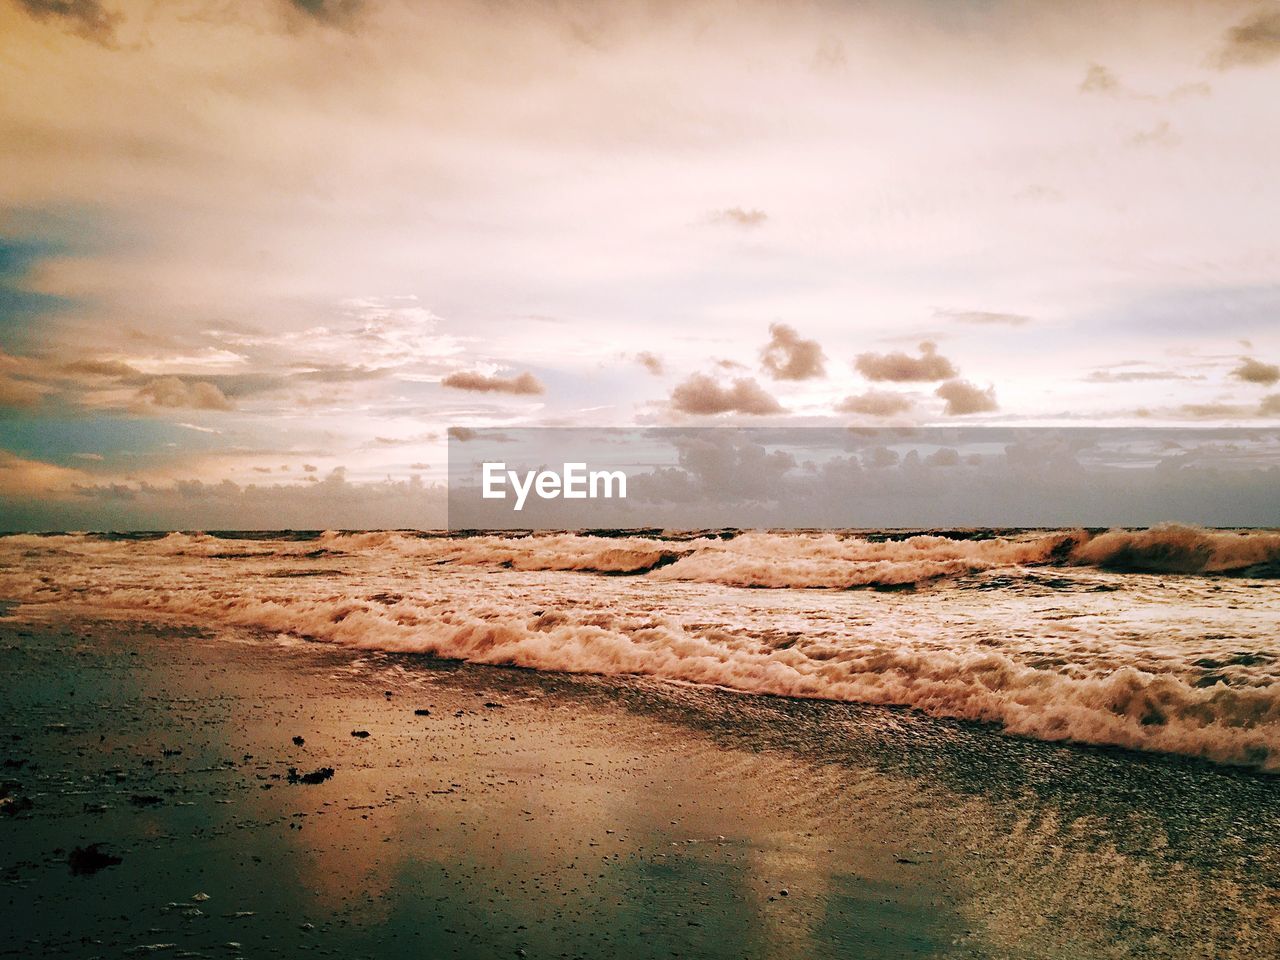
x=1164, y=639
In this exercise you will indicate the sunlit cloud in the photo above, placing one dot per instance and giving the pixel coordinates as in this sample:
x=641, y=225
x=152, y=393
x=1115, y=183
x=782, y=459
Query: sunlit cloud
x=524, y=384
x=903, y=368
x=1255, y=371
x=876, y=403
x=964, y=398
x=700, y=395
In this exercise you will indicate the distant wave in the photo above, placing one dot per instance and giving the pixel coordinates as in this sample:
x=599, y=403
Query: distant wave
x=1174, y=548
x=758, y=559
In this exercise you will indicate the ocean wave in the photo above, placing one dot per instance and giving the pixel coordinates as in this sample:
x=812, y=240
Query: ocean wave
x=1176, y=548
x=1119, y=705
x=1158, y=663
x=761, y=559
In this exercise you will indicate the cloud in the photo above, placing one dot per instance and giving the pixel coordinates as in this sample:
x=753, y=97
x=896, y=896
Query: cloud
x=1098, y=79
x=1255, y=371
x=461, y=434
x=18, y=394
x=830, y=57
x=876, y=403
x=651, y=362
x=964, y=398
x=700, y=395
x=84, y=18
x=718, y=465
x=99, y=368
x=176, y=392
x=1136, y=376
x=336, y=12
x=1102, y=80
x=1214, y=411
x=740, y=217
x=32, y=478
x=1267, y=407
x=317, y=502
x=340, y=373
x=943, y=457
x=1254, y=40
x=789, y=357
x=984, y=317
x=902, y=368
x=523, y=385
x=412, y=440
x=1159, y=135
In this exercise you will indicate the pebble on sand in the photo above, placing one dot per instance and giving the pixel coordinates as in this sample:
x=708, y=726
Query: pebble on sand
x=85, y=861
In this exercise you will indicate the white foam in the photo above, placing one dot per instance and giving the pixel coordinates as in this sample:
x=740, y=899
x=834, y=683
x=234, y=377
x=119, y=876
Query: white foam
x=1179, y=665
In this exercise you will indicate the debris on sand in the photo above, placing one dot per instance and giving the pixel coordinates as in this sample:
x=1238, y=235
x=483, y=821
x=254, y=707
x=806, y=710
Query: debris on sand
x=315, y=776
x=12, y=799
x=84, y=861
x=12, y=806
x=360, y=733
x=298, y=741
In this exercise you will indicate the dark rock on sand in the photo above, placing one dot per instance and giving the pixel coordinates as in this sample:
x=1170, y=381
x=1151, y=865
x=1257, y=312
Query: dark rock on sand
x=84, y=861
x=315, y=776
x=298, y=741
x=360, y=733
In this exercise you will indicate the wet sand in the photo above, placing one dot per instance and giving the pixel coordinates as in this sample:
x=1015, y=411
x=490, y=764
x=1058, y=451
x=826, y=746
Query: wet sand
x=535, y=814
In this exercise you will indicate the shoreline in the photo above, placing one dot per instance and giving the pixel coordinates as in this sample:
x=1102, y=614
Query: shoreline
x=569, y=815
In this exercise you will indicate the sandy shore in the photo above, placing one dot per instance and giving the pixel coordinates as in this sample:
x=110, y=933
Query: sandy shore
x=150, y=807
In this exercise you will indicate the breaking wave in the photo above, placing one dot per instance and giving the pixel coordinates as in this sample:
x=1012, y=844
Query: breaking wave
x=1182, y=665
x=1173, y=548
x=835, y=560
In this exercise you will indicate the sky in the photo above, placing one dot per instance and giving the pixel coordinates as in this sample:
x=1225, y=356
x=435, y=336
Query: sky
x=257, y=257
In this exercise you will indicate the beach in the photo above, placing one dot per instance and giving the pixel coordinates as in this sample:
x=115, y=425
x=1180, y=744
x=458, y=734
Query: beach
x=549, y=479
x=543, y=814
